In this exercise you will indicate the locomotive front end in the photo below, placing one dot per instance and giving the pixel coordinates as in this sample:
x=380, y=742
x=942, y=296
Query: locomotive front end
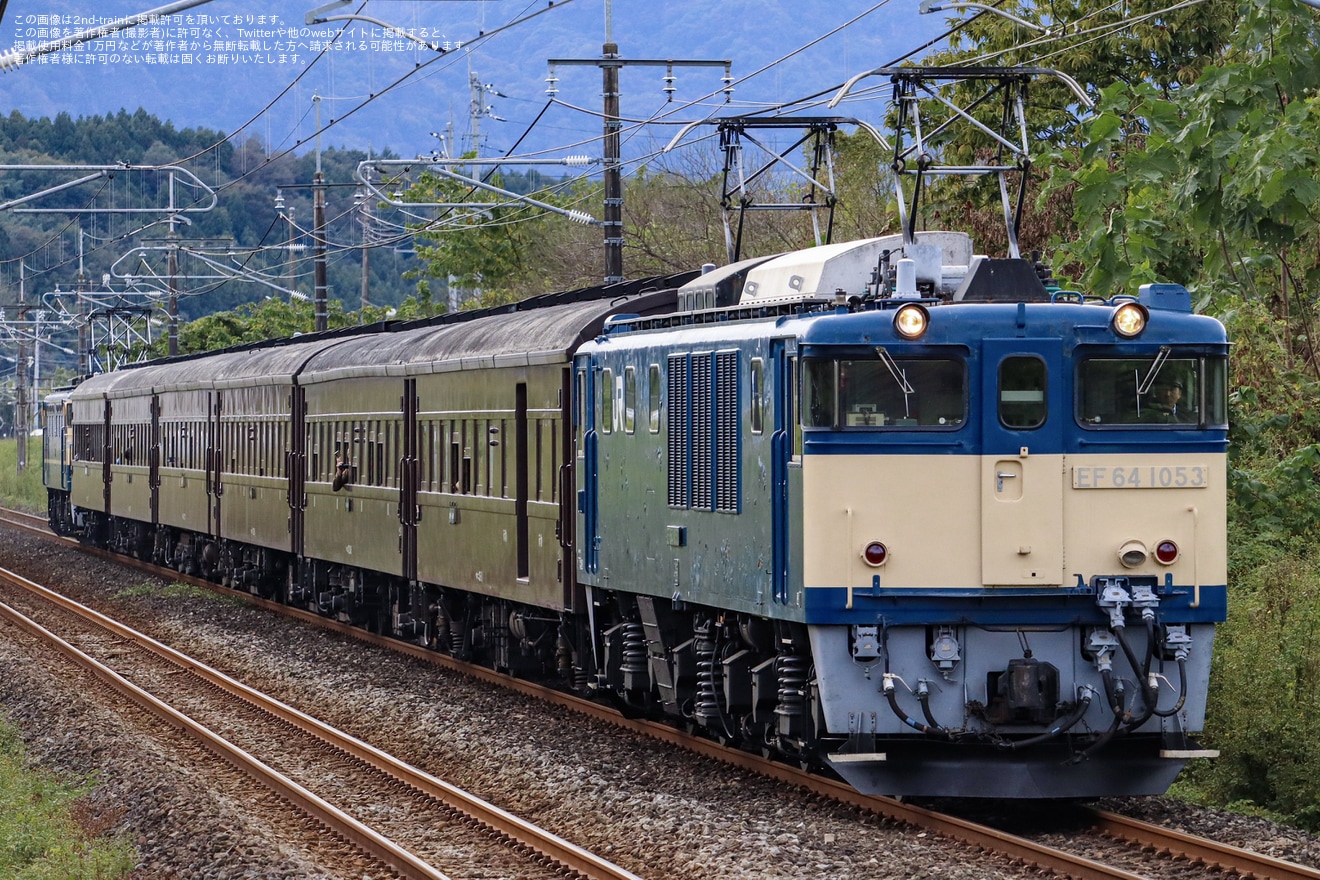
x=1013, y=541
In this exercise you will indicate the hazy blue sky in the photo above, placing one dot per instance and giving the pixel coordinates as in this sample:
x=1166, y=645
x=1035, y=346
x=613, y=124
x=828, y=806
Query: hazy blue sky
x=221, y=64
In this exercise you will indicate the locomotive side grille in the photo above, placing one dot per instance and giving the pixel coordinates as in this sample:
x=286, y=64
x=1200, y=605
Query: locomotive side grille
x=702, y=431
x=679, y=431
x=727, y=498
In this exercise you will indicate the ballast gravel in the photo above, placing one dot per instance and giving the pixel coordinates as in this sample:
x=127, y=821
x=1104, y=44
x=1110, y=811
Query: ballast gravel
x=652, y=809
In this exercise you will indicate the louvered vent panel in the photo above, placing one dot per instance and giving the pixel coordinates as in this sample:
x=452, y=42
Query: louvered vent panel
x=678, y=432
x=727, y=485
x=703, y=429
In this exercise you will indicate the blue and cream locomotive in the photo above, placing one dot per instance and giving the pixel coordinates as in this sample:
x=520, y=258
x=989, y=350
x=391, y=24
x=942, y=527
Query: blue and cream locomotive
x=885, y=507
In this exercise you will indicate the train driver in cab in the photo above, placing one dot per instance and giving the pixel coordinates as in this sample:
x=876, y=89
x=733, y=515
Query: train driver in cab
x=1165, y=397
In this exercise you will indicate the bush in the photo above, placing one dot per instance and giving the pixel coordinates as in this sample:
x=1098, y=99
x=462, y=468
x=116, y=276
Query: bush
x=1264, y=711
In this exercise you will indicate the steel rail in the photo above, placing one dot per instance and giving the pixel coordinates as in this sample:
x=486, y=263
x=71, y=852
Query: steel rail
x=338, y=822
x=1200, y=850
x=568, y=855
x=1163, y=840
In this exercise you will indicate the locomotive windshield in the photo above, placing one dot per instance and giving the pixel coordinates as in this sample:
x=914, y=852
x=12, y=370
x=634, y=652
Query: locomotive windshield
x=1162, y=389
x=884, y=393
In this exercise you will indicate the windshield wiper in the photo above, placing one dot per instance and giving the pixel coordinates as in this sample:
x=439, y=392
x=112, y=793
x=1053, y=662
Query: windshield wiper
x=899, y=376
x=1144, y=383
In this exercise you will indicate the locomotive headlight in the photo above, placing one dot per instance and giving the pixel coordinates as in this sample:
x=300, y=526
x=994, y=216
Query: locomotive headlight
x=875, y=554
x=1133, y=553
x=1130, y=319
x=911, y=321
x=1166, y=552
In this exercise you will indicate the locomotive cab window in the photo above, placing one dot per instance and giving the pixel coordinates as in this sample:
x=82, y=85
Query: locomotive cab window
x=1161, y=389
x=653, y=398
x=756, y=387
x=884, y=392
x=1022, y=398
x=629, y=400
x=606, y=402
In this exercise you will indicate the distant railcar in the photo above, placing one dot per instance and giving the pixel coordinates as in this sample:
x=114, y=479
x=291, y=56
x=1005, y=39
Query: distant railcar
x=932, y=526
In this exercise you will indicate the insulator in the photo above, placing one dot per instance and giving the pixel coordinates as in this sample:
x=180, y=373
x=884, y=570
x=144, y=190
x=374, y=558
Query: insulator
x=580, y=217
x=634, y=649
x=578, y=160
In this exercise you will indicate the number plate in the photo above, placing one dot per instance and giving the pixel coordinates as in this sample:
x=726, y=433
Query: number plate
x=1160, y=476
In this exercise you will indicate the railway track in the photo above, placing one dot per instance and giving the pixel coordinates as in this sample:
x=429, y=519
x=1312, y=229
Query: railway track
x=1162, y=846
x=291, y=753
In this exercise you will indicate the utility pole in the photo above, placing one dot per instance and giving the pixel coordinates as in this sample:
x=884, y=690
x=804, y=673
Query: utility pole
x=609, y=63
x=21, y=429
x=84, y=329
x=363, y=200
x=172, y=270
x=319, y=292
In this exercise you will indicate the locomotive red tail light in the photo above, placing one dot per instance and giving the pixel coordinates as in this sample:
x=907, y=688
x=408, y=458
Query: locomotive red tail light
x=911, y=321
x=875, y=554
x=1166, y=553
x=1130, y=319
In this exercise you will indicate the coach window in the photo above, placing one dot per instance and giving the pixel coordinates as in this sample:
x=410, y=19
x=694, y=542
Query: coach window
x=606, y=401
x=756, y=386
x=1022, y=398
x=629, y=400
x=653, y=398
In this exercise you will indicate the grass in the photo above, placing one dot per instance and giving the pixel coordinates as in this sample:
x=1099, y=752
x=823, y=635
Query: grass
x=46, y=832
x=23, y=491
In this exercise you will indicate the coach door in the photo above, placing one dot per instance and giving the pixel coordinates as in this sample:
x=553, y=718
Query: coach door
x=215, y=460
x=153, y=460
x=409, y=510
x=783, y=446
x=1023, y=408
x=585, y=381
x=295, y=467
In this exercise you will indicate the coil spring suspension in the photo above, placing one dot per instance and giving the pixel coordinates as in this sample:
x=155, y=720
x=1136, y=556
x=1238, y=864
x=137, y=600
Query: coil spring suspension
x=710, y=682
x=633, y=661
x=457, y=634
x=792, y=705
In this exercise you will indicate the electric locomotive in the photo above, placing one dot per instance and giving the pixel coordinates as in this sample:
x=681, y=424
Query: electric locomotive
x=902, y=511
